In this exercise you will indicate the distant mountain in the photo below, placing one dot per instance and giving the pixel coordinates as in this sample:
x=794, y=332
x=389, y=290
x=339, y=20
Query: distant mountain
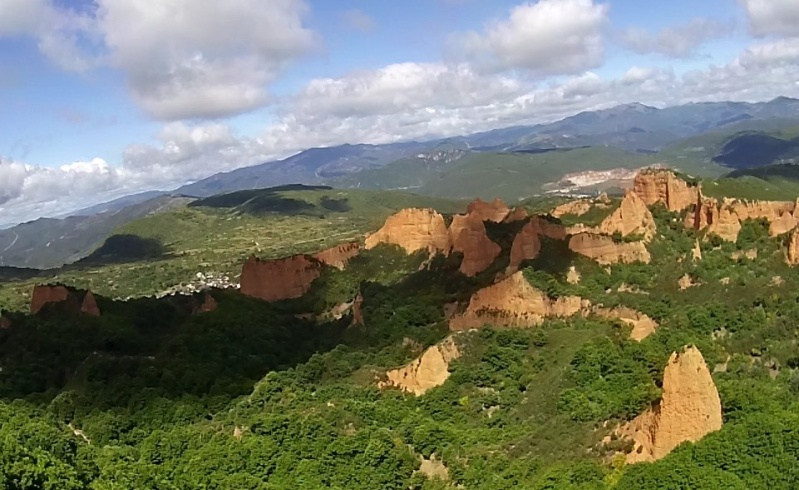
x=48, y=243
x=118, y=204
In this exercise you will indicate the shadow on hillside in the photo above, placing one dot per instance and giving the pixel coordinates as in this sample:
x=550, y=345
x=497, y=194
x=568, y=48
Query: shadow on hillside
x=786, y=171
x=121, y=249
x=265, y=201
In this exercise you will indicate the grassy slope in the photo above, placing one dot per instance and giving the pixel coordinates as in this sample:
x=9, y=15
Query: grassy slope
x=218, y=239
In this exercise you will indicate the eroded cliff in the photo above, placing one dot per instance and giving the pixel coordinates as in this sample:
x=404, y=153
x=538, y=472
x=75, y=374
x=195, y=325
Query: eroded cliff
x=496, y=210
x=413, y=230
x=338, y=256
x=275, y=280
x=468, y=236
x=429, y=370
x=662, y=186
x=604, y=250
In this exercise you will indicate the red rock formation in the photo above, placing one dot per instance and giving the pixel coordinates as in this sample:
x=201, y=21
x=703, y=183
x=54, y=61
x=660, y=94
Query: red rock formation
x=526, y=245
x=517, y=214
x=793, y=248
x=89, y=305
x=275, y=280
x=467, y=235
x=631, y=218
x=43, y=295
x=547, y=228
x=208, y=305
x=513, y=302
x=724, y=218
x=576, y=208
x=495, y=211
x=413, y=230
x=338, y=256
x=606, y=251
x=689, y=409
x=662, y=186
x=426, y=372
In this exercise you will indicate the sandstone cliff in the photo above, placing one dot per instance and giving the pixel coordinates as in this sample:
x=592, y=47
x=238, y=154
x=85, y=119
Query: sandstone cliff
x=526, y=245
x=338, y=256
x=631, y=218
x=576, y=208
x=275, y=280
x=517, y=214
x=467, y=234
x=431, y=369
x=793, y=248
x=662, y=186
x=724, y=217
x=689, y=409
x=513, y=302
x=413, y=230
x=43, y=295
x=605, y=251
x=496, y=210
x=89, y=305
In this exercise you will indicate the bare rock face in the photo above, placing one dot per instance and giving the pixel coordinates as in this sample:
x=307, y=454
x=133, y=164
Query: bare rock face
x=750, y=254
x=724, y=218
x=275, y=280
x=413, y=230
x=696, y=253
x=576, y=208
x=573, y=276
x=686, y=282
x=43, y=295
x=605, y=251
x=513, y=302
x=357, y=310
x=426, y=372
x=467, y=234
x=496, y=210
x=662, y=186
x=783, y=223
x=208, y=305
x=89, y=305
x=517, y=214
x=632, y=218
x=338, y=256
x=771, y=210
x=526, y=245
x=689, y=409
x=643, y=325
x=793, y=248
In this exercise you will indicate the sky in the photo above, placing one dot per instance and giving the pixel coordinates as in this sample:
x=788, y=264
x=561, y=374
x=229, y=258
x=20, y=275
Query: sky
x=104, y=98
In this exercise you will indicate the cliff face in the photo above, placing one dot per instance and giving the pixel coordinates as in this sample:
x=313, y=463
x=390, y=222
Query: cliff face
x=413, y=230
x=689, y=409
x=526, y=246
x=431, y=369
x=793, y=248
x=605, y=251
x=467, y=235
x=576, y=208
x=43, y=295
x=632, y=218
x=662, y=186
x=517, y=214
x=724, y=218
x=513, y=302
x=338, y=256
x=496, y=210
x=208, y=305
x=275, y=280
x=89, y=305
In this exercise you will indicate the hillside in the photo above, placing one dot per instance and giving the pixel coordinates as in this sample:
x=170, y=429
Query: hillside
x=636, y=343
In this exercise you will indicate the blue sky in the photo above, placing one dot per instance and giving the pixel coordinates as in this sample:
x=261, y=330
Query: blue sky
x=107, y=97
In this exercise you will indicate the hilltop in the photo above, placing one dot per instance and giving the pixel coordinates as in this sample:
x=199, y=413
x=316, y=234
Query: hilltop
x=645, y=341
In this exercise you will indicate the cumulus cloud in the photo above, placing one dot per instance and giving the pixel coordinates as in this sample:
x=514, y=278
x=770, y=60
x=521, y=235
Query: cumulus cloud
x=549, y=37
x=182, y=58
x=358, y=20
x=680, y=41
x=772, y=17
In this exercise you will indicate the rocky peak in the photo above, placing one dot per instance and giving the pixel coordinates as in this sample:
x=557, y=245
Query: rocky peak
x=429, y=370
x=662, y=186
x=495, y=210
x=89, y=305
x=208, y=305
x=467, y=234
x=793, y=248
x=606, y=251
x=526, y=245
x=689, y=409
x=275, y=280
x=413, y=230
x=44, y=295
x=631, y=218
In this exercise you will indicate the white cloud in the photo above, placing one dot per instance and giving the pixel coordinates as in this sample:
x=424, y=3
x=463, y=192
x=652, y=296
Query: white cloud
x=358, y=20
x=550, y=37
x=182, y=58
x=772, y=17
x=679, y=41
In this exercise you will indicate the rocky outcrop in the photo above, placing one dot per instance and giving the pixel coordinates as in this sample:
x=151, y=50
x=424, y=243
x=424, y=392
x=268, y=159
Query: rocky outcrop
x=275, y=280
x=750, y=254
x=467, y=234
x=496, y=210
x=338, y=256
x=413, y=230
x=208, y=305
x=696, y=253
x=89, y=305
x=606, y=251
x=573, y=275
x=517, y=214
x=689, y=409
x=513, y=302
x=631, y=218
x=793, y=248
x=526, y=245
x=575, y=208
x=686, y=282
x=643, y=325
x=357, y=310
x=44, y=295
x=662, y=186
x=431, y=369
